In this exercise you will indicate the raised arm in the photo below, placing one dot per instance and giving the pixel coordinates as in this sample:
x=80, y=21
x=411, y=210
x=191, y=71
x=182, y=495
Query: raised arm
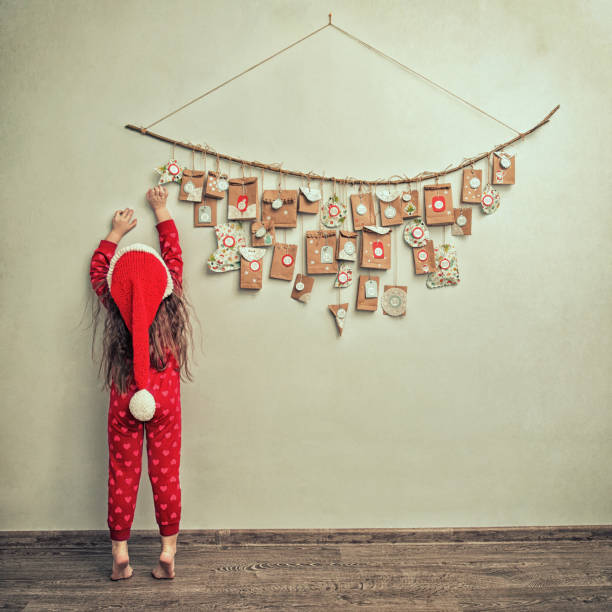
x=168, y=235
x=122, y=224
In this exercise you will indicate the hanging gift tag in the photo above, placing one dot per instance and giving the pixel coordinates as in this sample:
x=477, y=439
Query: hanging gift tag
x=347, y=246
x=212, y=188
x=251, y=268
x=490, y=200
x=367, y=293
x=280, y=206
x=333, y=213
x=344, y=277
x=230, y=237
x=320, y=248
x=192, y=185
x=362, y=206
x=394, y=300
x=504, y=166
x=262, y=233
x=205, y=213
x=424, y=260
x=446, y=272
x=283, y=261
x=411, y=205
x=471, y=188
x=376, y=247
x=339, y=311
x=309, y=200
x=302, y=288
x=416, y=233
x=463, y=222
x=170, y=172
x=242, y=200
x=439, y=204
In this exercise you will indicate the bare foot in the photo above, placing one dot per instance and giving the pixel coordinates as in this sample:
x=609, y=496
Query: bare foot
x=121, y=562
x=165, y=566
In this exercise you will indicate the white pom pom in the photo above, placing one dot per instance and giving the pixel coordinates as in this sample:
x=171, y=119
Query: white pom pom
x=142, y=405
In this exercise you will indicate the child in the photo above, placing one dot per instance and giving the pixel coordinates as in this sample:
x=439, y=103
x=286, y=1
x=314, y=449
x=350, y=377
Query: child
x=146, y=333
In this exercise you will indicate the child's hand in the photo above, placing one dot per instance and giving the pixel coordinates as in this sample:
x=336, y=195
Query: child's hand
x=123, y=223
x=156, y=197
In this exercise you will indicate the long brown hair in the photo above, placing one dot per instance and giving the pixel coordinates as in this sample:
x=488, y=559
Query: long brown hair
x=171, y=330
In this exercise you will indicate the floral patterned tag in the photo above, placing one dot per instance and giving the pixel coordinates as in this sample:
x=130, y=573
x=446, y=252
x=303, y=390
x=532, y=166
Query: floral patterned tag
x=490, y=200
x=446, y=272
x=170, y=172
x=344, y=278
x=230, y=237
x=416, y=233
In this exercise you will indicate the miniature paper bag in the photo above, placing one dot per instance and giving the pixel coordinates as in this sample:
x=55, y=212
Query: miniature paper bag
x=424, y=258
x=230, y=237
x=283, y=261
x=216, y=185
x=490, y=200
x=463, y=222
x=320, y=252
x=339, y=311
x=242, y=200
x=439, y=204
x=280, y=206
x=391, y=207
x=504, y=166
x=251, y=267
x=344, y=278
x=170, y=172
x=446, y=272
x=205, y=213
x=471, y=189
x=411, y=204
x=262, y=233
x=416, y=233
x=394, y=299
x=309, y=200
x=334, y=212
x=302, y=288
x=192, y=185
x=362, y=205
x=347, y=246
x=367, y=292
x=376, y=247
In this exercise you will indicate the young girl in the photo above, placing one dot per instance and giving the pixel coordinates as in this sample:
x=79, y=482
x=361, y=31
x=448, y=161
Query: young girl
x=146, y=334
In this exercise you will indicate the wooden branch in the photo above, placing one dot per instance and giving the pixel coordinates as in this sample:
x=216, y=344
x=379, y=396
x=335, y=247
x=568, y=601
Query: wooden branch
x=316, y=177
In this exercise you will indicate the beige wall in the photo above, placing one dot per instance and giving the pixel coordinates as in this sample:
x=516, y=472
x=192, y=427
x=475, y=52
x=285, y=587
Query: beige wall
x=488, y=405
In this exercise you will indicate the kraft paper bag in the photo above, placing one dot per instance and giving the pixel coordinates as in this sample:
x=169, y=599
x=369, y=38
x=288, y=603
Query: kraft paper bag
x=280, y=206
x=391, y=207
x=367, y=292
x=302, y=288
x=242, y=200
x=283, y=261
x=262, y=233
x=411, y=204
x=347, y=246
x=504, y=166
x=439, y=204
x=376, y=247
x=424, y=259
x=251, y=267
x=205, y=213
x=471, y=188
x=309, y=200
x=362, y=206
x=192, y=185
x=216, y=185
x=320, y=252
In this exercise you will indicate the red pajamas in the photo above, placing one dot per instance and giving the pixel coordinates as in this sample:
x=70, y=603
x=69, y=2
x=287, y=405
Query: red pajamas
x=125, y=433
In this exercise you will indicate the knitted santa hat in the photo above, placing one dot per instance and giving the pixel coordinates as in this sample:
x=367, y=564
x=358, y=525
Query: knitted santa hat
x=139, y=280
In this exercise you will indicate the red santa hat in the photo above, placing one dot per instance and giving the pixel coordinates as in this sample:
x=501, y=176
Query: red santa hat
x=139, y=280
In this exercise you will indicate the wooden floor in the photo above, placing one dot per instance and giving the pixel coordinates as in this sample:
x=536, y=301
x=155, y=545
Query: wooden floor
x=526, y=568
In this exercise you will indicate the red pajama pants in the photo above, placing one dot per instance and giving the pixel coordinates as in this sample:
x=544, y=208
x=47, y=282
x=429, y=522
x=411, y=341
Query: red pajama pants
x=125, y=442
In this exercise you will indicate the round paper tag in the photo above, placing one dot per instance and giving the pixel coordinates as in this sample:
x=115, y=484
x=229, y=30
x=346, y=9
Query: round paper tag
x=334, y=211
x=222, y=184
x=349, y=248
x=407, y=197
x=341, y=313
x=438, y=204
x=277, y=204
x=390, y=212
x=242, y=203
x=487, y=200
x=260, y=232
x=299, y=286
x=173, y=169
x=461, y=220
x=342, y=277
x=361, y=209
x=255, y=265
x=474, y=183
x=417, y=232
x=422, y=255
x=229, y=241
x=505, y=163
x=188, y=187
x=444, y=264
x=287, y=260
x=378, y=251
x=394, y=301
